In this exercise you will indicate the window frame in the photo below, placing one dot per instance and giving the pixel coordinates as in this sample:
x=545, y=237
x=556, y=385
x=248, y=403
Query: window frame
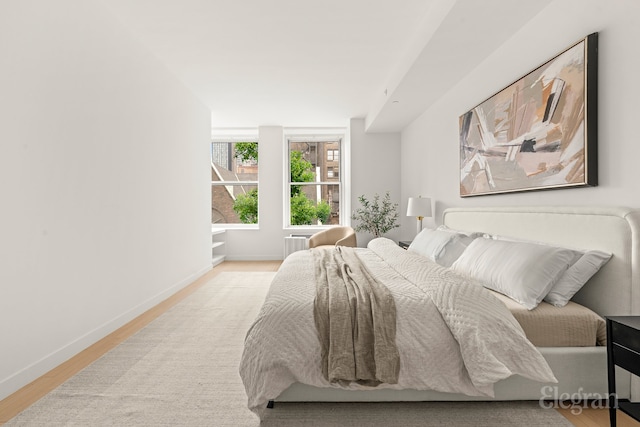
x=232, y=136
x=318, y=135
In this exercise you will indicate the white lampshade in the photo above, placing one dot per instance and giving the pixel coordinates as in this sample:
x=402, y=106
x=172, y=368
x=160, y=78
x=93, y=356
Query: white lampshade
x=419, y=206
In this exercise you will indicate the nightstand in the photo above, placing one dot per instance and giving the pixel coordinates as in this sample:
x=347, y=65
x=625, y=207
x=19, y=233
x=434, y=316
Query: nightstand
x=623, y=349
x=404, y=244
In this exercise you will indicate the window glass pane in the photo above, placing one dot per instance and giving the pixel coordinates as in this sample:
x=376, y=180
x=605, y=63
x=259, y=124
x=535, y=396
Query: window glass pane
x=316, y=204
x=314, y=182
x=234, y=182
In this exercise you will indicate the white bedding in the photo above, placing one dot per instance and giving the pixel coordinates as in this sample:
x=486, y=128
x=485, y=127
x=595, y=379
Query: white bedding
x=452, y=334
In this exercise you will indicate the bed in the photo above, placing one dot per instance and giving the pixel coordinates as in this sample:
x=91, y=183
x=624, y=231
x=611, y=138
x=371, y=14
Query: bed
x=580, y=371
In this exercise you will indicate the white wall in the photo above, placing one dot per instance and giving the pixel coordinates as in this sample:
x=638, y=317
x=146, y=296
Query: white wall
x=430, y=156
x=375, y=169
x=103, y=180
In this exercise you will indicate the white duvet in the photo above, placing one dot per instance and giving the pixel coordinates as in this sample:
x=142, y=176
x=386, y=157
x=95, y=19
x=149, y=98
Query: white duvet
x=452, y=334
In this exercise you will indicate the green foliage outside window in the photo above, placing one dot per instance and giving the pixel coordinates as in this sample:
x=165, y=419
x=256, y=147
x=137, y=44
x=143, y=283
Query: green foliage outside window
x=323, y=212
x=247, y=151
x=301, y=171
x=303, y=211
x=246, y=206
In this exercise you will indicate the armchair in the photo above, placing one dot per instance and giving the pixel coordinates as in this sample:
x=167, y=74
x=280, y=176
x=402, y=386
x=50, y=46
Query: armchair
x=334, y=236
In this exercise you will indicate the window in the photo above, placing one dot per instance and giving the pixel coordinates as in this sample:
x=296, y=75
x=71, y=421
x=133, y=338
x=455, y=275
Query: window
x=314, y=180
x=234, y=182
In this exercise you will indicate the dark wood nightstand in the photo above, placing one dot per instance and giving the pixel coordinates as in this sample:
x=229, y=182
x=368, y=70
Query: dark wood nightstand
x=623, y=349
x=404, y=244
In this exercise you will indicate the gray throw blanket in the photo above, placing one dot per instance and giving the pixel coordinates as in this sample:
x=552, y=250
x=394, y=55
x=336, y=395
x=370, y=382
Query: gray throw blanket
x=355, y=317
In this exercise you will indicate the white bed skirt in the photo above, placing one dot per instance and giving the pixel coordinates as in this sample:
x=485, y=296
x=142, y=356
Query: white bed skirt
x=581, y=374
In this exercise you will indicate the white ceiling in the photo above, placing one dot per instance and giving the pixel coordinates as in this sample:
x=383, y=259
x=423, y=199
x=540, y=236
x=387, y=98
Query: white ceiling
x=304, y=63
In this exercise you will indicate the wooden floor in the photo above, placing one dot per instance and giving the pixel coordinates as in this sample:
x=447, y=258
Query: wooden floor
x=23, y=398
x=596, y=417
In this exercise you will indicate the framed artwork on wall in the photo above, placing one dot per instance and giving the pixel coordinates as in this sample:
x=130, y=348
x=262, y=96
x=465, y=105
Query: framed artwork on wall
x=538, y=133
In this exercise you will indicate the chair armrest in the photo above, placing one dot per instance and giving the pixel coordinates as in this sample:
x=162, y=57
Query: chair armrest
x=349, y=240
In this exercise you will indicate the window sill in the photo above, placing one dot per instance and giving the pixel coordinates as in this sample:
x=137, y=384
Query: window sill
x=235, y=227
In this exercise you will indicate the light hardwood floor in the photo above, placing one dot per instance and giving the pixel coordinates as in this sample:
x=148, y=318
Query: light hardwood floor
x=597, y=417
x=23, y=398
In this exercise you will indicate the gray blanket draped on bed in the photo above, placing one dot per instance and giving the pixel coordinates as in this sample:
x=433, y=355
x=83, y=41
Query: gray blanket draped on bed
x=355, y=317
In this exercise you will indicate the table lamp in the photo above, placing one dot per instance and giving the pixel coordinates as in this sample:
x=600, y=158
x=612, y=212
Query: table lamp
x=419, y=207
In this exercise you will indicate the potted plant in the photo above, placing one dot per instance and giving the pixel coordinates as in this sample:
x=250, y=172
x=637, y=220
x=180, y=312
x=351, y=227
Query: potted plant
x=376, y=216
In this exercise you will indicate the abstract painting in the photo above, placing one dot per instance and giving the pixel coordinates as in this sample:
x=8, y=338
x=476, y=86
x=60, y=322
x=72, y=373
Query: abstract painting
x=538, y=133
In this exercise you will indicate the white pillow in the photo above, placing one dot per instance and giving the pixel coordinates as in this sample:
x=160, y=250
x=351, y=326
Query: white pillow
x=453, y=250
x=525, y=272
x=430, y=243
x=441, y=246
x=575, y=277
x=472, y=234
x=457, y=245
x=583, y=267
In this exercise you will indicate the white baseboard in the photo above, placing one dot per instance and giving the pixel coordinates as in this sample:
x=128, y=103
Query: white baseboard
x=254, y=258
x=34, y=371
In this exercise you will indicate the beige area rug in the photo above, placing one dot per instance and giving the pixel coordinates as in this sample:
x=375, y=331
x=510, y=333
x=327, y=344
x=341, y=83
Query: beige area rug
x=182, y=370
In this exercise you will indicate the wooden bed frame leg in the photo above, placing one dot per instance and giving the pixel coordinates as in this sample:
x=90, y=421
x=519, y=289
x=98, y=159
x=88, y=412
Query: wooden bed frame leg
x=270, y=404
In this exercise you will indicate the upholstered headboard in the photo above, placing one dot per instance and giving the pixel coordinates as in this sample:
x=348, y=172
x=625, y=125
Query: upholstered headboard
x=615, y=289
